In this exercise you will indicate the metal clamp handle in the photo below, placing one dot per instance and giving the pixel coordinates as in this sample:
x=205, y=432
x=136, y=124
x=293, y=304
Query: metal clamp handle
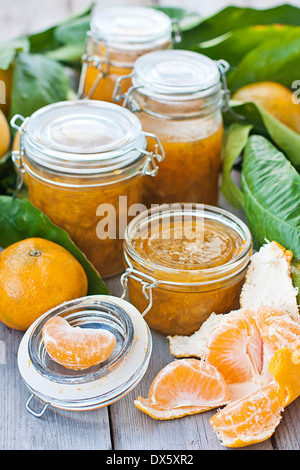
x=147, y=282
x=17, y=155
x=88, y=61
x=34, y=413
x=151, y=168
x=117, y=93
x=223, y=67
x=177, y=33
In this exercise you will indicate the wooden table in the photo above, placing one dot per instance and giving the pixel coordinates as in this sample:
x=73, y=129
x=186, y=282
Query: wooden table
x=119, y=426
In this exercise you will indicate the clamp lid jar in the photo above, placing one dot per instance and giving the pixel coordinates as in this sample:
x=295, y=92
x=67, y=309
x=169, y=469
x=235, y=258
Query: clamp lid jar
x=96, y=386
x=180, y=95
x=184, y=262
x=117, y=37
x=79, y=157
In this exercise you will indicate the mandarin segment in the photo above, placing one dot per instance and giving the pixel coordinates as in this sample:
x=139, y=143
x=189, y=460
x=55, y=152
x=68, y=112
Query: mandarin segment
x=235, y=347
x=277, y=329
x=250, y=420
x=75, y=347
x=184, y=387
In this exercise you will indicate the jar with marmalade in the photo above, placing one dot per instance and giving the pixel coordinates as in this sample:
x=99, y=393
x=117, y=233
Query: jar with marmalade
x=184, y=262
x=117, y=37
x=178, y=95
x=85, y=163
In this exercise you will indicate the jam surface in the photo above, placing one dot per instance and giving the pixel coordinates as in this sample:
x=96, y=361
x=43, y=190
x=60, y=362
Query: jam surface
x=194, y=244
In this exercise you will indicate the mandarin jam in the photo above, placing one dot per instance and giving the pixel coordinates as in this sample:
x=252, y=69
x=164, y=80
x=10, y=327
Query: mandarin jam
x=76, y=210
x=190, y=170
x=194, y=262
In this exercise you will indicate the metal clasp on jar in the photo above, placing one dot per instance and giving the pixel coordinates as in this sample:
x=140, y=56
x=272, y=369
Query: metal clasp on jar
x=147, y=282
x=17, y=155
x=91, y=60
x=223, y=67
x=151, y=167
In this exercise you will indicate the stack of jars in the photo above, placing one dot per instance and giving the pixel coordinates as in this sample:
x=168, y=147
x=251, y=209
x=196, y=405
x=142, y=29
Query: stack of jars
x=147, y=131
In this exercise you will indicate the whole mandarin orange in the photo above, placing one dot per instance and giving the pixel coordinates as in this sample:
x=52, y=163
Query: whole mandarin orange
x=274, y=98
x=35, y=276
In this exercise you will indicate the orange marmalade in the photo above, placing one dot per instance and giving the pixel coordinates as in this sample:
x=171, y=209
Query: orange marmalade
x=118, y=36
x=192, y=258
x=85, y=163
x=178, y=96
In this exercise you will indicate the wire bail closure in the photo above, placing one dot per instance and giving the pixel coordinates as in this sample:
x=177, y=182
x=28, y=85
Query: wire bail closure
x=147, y=282
x=17, y=155
x=223, y=67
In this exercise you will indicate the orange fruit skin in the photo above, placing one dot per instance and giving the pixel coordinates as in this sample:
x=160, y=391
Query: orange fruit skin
x=285, y=368
x=35, y=276
x=274, y=98
x=4, y=135
x=75, y=347
x=6, y=77
x=250, y=420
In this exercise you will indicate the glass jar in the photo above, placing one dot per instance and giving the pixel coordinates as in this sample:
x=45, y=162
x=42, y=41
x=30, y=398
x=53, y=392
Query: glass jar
x=178, y=95
x=81, y=158
x=117, y=37
x=184, y=262
x=54, y=385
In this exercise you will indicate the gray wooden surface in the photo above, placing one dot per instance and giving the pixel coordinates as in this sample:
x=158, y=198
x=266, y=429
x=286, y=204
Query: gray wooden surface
x=121, y=425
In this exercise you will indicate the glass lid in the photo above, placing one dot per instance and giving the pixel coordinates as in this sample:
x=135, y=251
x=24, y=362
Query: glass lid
x=130, y=27
x=83, y=136
x=98, y=385
x=176, y=72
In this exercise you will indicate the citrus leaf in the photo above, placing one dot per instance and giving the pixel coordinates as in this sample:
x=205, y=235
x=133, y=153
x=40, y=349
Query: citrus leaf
x=295, y=271
x=271, y=188
x=266, y=125
x=235, y=139
x=19, y=219
x=37, y=82
x=277, y=58
x=8, y=50
x=232, y=18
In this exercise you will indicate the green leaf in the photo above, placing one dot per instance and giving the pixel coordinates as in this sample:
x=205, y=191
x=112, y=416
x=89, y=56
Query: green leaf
x=19, y=219
x=8, y=50
x=277, y=59
x=37, y=81
x=234, y=142
x=232, y=18
x=234, y=45
x=266, y=125
x=271, y=188
x=8, y=176
x=295, y=271
x=73, y=32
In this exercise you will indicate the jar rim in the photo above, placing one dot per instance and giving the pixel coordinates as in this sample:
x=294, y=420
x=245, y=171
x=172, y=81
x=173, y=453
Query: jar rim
x=222, y=271
x=130, y=27
x=83, y=137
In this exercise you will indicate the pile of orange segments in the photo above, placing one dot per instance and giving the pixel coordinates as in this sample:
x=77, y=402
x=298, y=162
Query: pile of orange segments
x=249, y=367
x=252, y=366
